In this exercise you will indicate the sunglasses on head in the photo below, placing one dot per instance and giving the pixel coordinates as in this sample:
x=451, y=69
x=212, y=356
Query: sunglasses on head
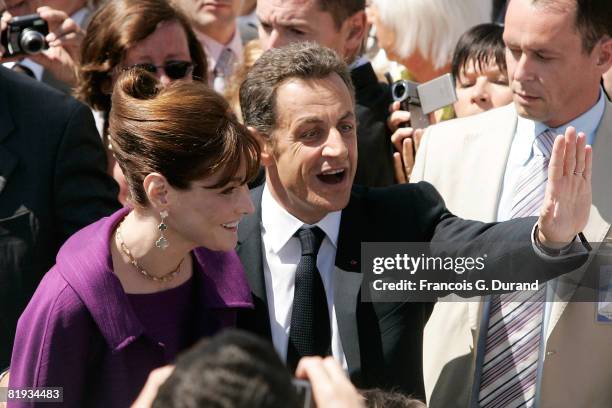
x=173, y=69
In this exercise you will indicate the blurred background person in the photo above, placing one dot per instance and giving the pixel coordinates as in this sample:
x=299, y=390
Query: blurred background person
x=422, y=34
x=215, y=24
x=479, y=70
x=237, y=369
x=151, y=34
x=67, y=21
x=132, y=290
x=481, y=83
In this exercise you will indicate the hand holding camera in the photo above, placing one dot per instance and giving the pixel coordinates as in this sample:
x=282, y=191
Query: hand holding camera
x=49, y=38
x=409, y=117
x=330, y=386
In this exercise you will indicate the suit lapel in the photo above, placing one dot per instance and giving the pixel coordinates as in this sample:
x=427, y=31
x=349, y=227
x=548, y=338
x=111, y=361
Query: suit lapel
x=347, y=280
x=8, y=162
x=249, y=249
x=346, y=294
x=600, y=217
x=495, y=140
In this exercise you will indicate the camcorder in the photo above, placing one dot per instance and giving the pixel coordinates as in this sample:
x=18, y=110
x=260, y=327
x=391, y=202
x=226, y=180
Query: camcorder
x=422, y=99
x=24, y=35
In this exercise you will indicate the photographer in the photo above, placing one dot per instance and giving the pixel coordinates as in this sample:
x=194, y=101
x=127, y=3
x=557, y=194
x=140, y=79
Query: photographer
x=55, y=65
x=237, y=369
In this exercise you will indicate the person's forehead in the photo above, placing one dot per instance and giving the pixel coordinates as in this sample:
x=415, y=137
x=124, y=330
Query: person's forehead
x=538, y=25
x=288, y=10
x=299, y=99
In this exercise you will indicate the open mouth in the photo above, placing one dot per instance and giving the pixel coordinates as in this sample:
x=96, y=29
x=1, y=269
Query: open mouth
x=332, y=176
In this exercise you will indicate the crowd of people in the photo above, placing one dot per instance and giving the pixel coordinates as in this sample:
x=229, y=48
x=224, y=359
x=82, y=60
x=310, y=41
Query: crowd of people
x=185, y=188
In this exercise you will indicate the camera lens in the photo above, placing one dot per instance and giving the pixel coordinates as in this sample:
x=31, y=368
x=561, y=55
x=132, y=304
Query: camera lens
x=31, y=41
x=399, y=91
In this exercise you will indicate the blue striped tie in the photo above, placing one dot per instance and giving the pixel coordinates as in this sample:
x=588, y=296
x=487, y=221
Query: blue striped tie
x=509, y=369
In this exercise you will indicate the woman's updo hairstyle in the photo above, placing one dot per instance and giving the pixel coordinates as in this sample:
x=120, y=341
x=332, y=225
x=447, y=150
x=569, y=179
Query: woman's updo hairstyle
x=184, y=131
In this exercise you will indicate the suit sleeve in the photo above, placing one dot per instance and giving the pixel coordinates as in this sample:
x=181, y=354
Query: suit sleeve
x=53, y=346
x=83, y=191
x=508, y=246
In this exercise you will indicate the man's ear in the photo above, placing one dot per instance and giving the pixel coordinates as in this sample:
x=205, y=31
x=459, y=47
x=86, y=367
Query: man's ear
x=265, y=145
x=354, y=30
x=156, y=188
x=604, y=54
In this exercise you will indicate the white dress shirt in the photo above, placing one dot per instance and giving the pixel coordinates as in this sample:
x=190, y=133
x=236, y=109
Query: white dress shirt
x=281, y=255
x=213, y=50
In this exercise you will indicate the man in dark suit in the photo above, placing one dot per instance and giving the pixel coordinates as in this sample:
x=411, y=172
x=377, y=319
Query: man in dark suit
x=340, y=25
x=301, y=248
x=52, y=183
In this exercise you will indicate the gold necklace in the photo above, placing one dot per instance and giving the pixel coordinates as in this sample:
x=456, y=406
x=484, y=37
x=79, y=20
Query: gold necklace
x=164, y=278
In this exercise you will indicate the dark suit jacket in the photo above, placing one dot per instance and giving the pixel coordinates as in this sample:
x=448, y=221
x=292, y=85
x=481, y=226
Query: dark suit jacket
x=52, y=183
x=375, y=164
x=383, y=341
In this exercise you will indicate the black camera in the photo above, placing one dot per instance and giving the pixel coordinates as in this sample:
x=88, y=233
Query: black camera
x=25, y=35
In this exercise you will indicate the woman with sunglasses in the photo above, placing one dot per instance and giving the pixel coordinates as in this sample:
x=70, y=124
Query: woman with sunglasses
x=132, y=290
x=150, y=34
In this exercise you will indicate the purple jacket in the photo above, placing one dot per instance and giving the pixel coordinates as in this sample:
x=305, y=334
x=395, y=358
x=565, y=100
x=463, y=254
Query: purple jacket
x=80, y=332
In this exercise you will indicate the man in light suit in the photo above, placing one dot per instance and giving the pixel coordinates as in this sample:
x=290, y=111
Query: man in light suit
x=298, y=102
x=557, y=51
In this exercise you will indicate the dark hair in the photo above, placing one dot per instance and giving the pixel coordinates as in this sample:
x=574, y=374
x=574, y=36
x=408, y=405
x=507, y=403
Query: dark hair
x=482, y=44
x=303, y=60
x=377, y=398
x=112, y=30
x=184, y=131
x=340, y=10
x=234, y=369
x=593, y=19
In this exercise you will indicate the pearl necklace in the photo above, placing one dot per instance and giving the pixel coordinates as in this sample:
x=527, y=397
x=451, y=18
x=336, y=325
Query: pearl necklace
x=163, y=279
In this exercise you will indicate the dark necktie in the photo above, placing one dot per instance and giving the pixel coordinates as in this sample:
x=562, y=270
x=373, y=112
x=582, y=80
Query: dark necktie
x=310, y=333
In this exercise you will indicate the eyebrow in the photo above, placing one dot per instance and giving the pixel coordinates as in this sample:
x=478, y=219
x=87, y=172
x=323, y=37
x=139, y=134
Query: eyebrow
x=315, y=119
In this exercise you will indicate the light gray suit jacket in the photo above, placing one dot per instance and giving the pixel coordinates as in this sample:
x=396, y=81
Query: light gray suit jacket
x=465, y=159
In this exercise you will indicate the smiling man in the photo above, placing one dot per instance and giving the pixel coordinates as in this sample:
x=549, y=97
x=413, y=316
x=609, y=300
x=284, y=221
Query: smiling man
x=341, y=26
x=301, y=248
x=556, y=52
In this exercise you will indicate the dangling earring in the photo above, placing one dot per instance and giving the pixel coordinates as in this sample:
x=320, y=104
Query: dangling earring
x=162, y=242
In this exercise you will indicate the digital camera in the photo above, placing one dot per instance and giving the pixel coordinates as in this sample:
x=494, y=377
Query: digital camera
x=24, y=35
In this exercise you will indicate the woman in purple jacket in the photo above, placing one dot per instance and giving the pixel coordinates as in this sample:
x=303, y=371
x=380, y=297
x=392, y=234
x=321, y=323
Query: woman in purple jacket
x=132, y=290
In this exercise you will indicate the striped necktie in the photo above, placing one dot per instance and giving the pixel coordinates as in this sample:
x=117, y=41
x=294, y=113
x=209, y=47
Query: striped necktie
x=509, y=369
x=223, y=69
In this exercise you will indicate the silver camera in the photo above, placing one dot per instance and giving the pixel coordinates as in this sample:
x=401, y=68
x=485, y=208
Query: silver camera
x=25, y=35
x=422, y=99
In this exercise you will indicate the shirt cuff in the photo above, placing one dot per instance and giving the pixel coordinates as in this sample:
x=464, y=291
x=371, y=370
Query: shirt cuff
x=579, y=246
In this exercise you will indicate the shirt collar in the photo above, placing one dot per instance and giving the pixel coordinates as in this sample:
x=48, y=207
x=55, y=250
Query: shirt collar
x=362, y=60
x=214, y=48
x=279, y=225
x=588, y=123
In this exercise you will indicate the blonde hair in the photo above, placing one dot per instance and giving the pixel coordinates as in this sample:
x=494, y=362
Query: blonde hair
x=431, y=27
